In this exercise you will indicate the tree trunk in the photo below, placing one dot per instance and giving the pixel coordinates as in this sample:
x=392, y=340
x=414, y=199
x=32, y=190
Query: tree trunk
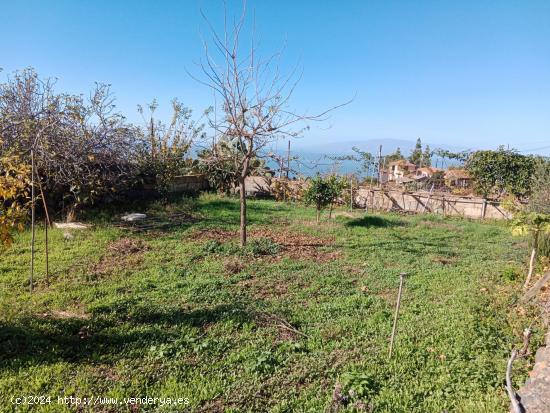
x=318, y=215
x=330, y=212
x=242, y=198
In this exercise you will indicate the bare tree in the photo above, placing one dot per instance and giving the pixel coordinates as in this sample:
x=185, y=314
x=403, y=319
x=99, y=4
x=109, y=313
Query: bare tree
x=254, y=100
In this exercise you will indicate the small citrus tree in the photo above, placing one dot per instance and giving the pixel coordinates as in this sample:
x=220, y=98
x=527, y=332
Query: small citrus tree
x=322, y=192
x=533, y=224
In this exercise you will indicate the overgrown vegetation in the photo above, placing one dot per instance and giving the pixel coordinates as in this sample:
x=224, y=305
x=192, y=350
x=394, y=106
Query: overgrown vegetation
x=501, y=171
x=83, y=148
x=164, y=148
x=277, y=330
x=14, y=194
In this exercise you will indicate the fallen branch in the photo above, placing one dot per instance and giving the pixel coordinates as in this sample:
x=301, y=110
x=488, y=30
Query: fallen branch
x=533, y=291
x=516, y=404
x=281, y=322
x=285, y=324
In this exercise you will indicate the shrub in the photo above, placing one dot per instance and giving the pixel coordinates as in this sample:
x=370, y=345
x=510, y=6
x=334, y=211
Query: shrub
x=539, y=200
x=263, y=246
x=14, y=194
x=164, y=148
x=323, y=192
x=510, y=273
x=84, y=150
x=287, y=190
x=500, y=171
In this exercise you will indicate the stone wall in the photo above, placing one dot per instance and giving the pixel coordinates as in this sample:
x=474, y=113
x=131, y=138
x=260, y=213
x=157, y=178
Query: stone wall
x=188, y=183
x=423, y=201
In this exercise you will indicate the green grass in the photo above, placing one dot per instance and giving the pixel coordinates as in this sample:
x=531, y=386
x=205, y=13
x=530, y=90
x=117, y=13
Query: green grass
x=198, y=318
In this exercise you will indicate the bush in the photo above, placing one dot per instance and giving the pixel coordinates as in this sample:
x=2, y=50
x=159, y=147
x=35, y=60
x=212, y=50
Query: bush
x=323, y=192
x=543, y=245
x=164, y=148
x=510, y=273
x=14, y=194
x=500, y=171
x=287, y=190
x=263, y=246
x=540, y=197
x=84, y=150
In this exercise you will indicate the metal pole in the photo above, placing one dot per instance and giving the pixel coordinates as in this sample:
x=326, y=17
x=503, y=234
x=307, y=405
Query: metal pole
x=44, y=201
x=351, y=194
x=47, y=252
x=32, y=221
x=379, y=165
x=288, y=160
x=401, y=278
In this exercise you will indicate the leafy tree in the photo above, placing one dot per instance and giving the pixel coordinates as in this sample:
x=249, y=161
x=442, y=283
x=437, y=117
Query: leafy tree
x=416, y=154
x=501, y=171
x=338, y=184
x=427, y=156
x=535, y=225
x=396, y=156
x=322, y=192
x=539, y=201
x=458, y=156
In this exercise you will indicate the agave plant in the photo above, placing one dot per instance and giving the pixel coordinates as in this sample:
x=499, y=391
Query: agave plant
x=533, y=224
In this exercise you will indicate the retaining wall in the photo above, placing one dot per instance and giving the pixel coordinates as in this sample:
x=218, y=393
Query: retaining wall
x=423, y=201
x=188, y=183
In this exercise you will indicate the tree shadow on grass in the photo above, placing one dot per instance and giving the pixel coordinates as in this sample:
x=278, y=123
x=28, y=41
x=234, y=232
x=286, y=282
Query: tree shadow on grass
x=441, y=244
x=37, y=340
x=372, y=221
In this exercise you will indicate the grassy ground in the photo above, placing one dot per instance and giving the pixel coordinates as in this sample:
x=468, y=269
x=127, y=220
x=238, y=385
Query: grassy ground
x=185, y=313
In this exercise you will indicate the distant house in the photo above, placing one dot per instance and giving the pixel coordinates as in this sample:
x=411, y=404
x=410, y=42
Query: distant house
x=399, y=169
x=384, y=176
x=458, y=178
x=426, y=171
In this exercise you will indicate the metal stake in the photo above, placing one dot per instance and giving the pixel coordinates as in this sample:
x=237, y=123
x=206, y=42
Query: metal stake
x=47, y=252
x=32, y=220
x=401, y=279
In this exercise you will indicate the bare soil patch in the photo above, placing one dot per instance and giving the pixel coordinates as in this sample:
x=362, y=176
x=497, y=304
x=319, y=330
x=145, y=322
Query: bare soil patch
x=261, y=288
x=299, y=245
x=65, y=315
x=444, y=260
x=214, y=234
x=122, y=253
x=233, y=265
x=292, y=244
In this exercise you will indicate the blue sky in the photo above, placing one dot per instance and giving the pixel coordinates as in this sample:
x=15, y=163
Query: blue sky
x=459, y=73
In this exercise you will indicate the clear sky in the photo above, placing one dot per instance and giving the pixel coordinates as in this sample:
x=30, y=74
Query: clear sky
x=461, y=73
